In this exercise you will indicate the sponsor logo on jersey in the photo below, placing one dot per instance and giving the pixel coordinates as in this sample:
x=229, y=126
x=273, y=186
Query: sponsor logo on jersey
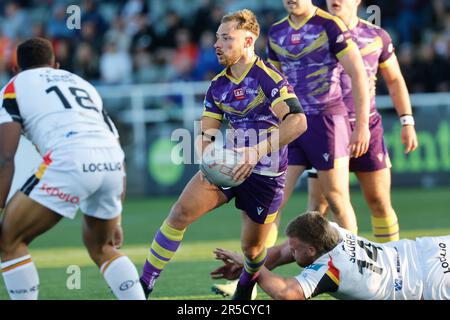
x=239, y=94
x=70, y=133
x=398, y=284
x=340, y=38
x=314, y=266
x=207, y=104
x=443, y=257
x=251, y=91
x=311, y=36
x=274, y=92
x=100, y=167
x=56, y=192
x=390, y=48
x=295, y=38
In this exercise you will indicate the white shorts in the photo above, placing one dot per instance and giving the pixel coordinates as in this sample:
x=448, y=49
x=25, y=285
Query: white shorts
x=434, y=255
x=91, y=179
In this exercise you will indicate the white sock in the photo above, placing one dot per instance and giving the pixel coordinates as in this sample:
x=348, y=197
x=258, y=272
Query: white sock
x=123, y=278
x=21, y=278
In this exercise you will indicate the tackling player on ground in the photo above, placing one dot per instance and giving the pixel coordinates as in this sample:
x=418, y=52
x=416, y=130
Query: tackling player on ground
x=373, y=168
x=63, y=116
x=252, y=95
x=347, y=266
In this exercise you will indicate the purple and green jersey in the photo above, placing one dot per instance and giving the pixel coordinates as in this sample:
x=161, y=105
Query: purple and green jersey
x=307, y=54
x=247, y=103
x=377, y=51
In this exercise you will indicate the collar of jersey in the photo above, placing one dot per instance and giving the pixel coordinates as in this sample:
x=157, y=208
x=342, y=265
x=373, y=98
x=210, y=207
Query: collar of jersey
x=297, y=27
x=237, y=81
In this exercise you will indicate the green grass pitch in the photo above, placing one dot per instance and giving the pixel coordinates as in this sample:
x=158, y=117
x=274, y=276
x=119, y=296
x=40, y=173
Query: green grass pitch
x=421, y=213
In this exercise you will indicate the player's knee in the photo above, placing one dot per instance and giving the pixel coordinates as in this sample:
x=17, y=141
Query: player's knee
x=379, y=205
x=181, y=215
x=252, y=252
x=10, y=241
x=335, y=198
x=319, y=204
x=97, y=250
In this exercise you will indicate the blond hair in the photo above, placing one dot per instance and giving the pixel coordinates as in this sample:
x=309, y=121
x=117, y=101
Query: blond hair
x=246, y=20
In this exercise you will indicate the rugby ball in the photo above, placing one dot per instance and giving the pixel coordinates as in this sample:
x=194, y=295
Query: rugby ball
x=217, y=165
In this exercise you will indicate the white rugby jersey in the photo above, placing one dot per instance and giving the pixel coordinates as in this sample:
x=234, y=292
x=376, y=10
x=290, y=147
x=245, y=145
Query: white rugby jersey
x=57, y=109
x=360, y=269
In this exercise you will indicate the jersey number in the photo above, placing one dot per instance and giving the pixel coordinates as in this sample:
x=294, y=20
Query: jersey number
x=81, y=96
x=372, y=253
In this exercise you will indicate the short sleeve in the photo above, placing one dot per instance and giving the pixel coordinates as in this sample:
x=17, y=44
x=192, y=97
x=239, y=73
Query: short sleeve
x=210, y=108
x=339, y=38
x=271, y=54
x=388, y=51
x=5, y=117
x=318, y=278
x=275, y=86
x=9, y=108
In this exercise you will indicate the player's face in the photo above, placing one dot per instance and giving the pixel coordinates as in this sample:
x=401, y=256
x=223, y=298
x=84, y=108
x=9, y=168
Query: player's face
x=296, y=7
x=343, y=8
x=229, y=44
x=303, y=253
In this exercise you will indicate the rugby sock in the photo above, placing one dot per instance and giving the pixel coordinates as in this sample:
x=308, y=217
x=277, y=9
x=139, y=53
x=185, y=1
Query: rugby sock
x=386, y=229
x=164, y=246
x=251, y=269
x=21, y=278
x=123, y=278
x=272, y=236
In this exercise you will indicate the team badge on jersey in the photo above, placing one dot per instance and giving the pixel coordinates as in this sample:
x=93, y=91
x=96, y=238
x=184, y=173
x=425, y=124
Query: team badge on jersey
x=239, y=94
x=295, y=38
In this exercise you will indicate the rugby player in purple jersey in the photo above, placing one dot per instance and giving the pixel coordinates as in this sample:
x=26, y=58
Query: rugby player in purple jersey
x=373, y=168
x=253, y=96
x=309, y=46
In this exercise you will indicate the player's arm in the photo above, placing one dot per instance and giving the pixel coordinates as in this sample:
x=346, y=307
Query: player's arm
x=209, y=131
x=272, y=56
x=210, y=123
x=233, y=262
x=280, y=288
x=279, y=256
x=354, y=66
x=400, y=97
x=293, y=124
x=9, y=141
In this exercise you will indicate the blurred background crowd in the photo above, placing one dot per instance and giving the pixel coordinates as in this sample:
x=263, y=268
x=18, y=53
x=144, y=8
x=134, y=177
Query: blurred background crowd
x=147, y=41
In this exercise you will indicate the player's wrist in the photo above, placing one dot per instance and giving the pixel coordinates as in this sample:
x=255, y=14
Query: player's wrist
x=263, y=148
x=407, y=120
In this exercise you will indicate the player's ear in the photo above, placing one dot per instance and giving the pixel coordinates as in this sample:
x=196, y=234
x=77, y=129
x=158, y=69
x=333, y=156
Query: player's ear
x=16, y=69
x=248, y=42
x=312, y=251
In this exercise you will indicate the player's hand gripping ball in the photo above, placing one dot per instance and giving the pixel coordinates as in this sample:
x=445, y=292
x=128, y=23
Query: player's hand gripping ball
x=218, y=163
